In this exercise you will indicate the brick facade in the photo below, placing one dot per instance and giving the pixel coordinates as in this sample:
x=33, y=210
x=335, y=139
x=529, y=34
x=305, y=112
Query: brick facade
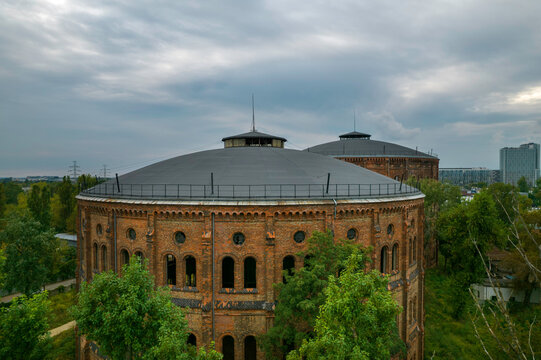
x=269, y=228
x=398, y=167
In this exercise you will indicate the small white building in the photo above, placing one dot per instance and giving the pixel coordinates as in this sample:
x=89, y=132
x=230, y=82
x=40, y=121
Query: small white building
x=485, y=291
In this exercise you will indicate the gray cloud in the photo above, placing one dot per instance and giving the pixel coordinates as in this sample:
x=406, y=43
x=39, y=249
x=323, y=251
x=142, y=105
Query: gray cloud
x=129, y=82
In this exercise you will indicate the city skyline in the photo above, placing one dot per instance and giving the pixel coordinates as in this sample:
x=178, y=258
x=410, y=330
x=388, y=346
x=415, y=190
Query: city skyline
x=131, y=84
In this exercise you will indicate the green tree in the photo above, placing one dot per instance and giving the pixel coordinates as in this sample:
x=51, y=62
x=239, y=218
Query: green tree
x=523, y=185
x=509, y=202
x=357, y=320
x=2, y=262
x=463, y=229
x=12, y=191
x=130, y=319
x=524, y=256
x=3, y=201
x=302, y=294
x=439, y=197
x=29, y=252
x=63, y=204
x=24, y=328
x=39, y=203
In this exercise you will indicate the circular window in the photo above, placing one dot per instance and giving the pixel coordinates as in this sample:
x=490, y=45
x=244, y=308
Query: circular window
x=238, y=238
x=390, y=229
x=352, y=234
x=99, y=229
x=180, y=237
x=131, y=234
x=299, y=236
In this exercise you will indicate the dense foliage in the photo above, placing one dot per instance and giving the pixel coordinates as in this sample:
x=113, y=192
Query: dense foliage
x=130, y=319
x=29, y=254
x=23, y=328
x=302, y=293
x=357, y=319
x=448, y=338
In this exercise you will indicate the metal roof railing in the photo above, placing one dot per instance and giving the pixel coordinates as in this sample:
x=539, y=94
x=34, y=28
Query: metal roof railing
x=268, y=191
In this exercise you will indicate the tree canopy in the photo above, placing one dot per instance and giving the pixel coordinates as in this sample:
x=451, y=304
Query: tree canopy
x=129, y=319
x=29, y=252
x=302, y=293
x=24, y=327
x=465, y=230
x=357, y=319
x=39, y=203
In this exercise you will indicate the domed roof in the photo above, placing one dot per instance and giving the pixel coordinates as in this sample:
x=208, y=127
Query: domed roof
x=251, y=172
x=357, y=144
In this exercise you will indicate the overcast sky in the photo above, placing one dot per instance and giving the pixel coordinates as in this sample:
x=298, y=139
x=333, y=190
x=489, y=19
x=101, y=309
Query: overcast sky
x=127, y=83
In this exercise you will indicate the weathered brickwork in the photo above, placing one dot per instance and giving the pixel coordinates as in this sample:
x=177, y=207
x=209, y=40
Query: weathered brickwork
x=269, y=236
x=398, y=167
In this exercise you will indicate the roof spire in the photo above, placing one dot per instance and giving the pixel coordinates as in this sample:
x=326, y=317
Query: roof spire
x=253, y=114
x=354, y=121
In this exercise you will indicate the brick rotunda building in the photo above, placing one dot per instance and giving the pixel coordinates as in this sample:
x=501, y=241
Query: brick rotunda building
x=219, y=227
x=392, y=160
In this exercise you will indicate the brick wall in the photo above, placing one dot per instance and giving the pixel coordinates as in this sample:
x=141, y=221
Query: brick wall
x=269, y=237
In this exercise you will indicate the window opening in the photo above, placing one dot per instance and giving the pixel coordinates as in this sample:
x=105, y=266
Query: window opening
x=180, y=237
x=250, y=273
x=190, y=271
x=228, y=273
x=238, y=238
x=395, y=257
x=192, y=340
x=131, y=234
x=383, y=262
x=228, y=348
x=103, y=258
x=250, y=348
x=124, y=256
x=171, y=270
x=352, y=234
x=299, y=236
x=288, y=264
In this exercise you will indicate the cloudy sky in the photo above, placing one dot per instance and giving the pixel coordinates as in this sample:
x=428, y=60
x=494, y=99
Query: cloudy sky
x=126, y=83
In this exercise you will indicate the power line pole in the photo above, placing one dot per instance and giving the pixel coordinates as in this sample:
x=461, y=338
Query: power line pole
x=74, y=169
x=105, y=171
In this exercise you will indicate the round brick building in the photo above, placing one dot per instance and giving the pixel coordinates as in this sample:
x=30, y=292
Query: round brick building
x=219, y=227
x=392, y=160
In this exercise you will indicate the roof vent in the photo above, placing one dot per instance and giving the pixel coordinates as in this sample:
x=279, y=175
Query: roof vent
x=254, y=138
x=355, y=135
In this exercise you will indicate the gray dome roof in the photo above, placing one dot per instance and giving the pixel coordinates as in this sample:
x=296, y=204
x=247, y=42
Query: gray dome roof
x=251, y=172
x=351, y=146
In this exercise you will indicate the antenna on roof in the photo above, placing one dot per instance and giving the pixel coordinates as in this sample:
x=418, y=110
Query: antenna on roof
x=354, y=121
x=253, y=114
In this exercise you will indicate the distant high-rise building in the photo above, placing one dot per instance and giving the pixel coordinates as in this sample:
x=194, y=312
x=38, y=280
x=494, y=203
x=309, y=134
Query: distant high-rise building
x=467, y=176
x=518, y=162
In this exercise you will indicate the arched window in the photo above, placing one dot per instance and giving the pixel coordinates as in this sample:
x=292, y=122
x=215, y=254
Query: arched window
x=288, y=264
x=139, y=256
x=228, y=273
x=250, y=348
x=103, y=258
x=414, y=249
x=250, y=277
x=228, y=347
x=124, y=257
x=383, y=261
x=171, y=267
x=95, y=256
x=190, y=271
x=192, y=340
x=395, y=257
